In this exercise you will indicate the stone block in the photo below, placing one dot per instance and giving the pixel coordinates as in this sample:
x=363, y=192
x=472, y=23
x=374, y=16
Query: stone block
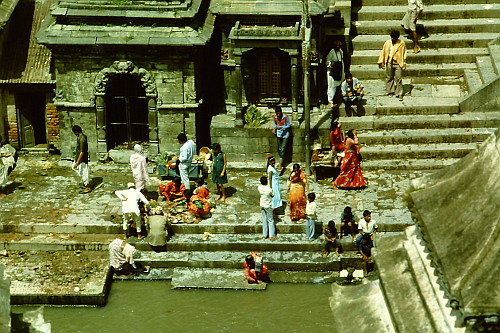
x=238, y=157
x=120, y=156
x=4, y=302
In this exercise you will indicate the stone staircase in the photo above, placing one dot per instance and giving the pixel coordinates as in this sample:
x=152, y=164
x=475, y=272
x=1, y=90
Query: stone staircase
x=291, y=258
x=408, y=293
x=429, y=129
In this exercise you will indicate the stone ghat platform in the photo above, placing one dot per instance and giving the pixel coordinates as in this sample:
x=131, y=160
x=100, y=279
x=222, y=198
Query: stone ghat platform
x=44, y=217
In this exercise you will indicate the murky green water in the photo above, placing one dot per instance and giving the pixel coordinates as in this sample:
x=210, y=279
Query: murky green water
x=138, y=306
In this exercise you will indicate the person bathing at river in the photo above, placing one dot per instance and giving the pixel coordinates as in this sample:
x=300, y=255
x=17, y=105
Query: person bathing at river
x=255, y=270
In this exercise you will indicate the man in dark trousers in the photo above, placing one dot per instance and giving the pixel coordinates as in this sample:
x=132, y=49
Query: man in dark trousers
x=81, y=158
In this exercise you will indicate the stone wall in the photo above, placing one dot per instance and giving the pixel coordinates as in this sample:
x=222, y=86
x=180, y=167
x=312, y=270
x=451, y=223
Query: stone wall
x=173, y=73
x=255, y=144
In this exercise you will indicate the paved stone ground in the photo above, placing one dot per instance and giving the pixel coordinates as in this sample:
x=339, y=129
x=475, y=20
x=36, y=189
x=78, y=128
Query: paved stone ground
x=44, y=201
x=45, y=192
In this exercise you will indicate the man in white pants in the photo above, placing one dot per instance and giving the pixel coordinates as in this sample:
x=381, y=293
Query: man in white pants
x=130, y=207
x=81, y=161
x=185, y=157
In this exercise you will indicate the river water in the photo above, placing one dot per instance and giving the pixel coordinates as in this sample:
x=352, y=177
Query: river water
x=140, y=306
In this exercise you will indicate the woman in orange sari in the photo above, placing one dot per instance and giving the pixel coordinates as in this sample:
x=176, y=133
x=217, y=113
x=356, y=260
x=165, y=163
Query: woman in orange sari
x=350, y=170
x=197, y=206
x=298, y=200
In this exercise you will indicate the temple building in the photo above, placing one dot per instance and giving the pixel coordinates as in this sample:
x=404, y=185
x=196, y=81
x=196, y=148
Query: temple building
x=145, y=71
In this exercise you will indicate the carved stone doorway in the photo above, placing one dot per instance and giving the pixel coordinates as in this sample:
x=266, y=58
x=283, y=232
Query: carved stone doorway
x=125, y=101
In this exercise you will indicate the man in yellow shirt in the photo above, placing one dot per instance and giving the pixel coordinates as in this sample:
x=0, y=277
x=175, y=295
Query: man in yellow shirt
x=393, y=59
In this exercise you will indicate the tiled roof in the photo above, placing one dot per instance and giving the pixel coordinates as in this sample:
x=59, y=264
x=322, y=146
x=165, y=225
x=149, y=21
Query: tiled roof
x=175, y=23
x=24, y=60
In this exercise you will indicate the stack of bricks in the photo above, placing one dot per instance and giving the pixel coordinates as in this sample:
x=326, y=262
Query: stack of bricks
x=53, y=128
x=13, y=135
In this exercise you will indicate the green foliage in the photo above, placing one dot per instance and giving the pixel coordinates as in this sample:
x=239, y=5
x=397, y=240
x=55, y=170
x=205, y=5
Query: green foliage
x=163, y=158
x=129, y=37
x=255, y=118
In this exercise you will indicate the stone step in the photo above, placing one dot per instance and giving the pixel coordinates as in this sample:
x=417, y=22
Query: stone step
x=177, y=242
x=431, y=12
x=461, y=120
x=279, y=261
x=486, y=69
x=387, y=105
x=244, y=242
x=212, y=278
x=422, y=98
x=29, y=232
x=438, y=2
x=414, y=151
x=56, y=242
x=495, y=56
x=408, y=164
x=29, y=227
x=426, y=56
x=158, y=274
x=439, y=40
x=425, y=136
x=442, y=26
x=473, y=80
x=371, y=71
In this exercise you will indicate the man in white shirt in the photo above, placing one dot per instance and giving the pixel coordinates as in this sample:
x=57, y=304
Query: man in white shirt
x=311, y=216
x=366, y=226
x=130, y=207
x=268, y=227
x=185, y=157
x=335, y=74
x=415, y=9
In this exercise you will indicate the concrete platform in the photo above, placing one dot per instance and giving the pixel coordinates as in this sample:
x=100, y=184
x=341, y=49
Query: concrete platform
x=210, y=278
x=50, y=278
x=364, y=301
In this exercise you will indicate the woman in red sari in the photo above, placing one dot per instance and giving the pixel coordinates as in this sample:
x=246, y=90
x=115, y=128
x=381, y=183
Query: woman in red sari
x=298, y=200
x=350, y=170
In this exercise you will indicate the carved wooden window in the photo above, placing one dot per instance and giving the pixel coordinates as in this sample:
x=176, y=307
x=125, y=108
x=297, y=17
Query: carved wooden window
x=269, y=75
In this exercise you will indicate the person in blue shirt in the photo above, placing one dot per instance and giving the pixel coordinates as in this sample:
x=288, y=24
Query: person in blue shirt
x=282, y=131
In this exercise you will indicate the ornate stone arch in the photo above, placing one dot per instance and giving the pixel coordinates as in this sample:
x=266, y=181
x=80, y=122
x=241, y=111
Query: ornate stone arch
x=101, y=83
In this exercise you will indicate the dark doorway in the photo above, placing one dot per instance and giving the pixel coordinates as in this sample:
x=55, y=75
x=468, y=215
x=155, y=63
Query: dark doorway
x=126, y=111
x=267, y=75
x=31, y=115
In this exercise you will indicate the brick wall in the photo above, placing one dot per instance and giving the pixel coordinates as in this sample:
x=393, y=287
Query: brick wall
x=53, y=129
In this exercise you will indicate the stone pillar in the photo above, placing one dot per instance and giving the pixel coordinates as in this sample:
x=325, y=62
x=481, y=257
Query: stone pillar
x=238, y=80
x=154, y=148
x=102, y=145
x=4, y=302
x=295, y=84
